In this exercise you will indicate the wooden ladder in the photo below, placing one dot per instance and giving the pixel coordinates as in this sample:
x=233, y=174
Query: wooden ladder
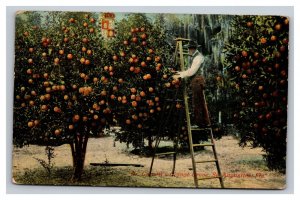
x=179, y=52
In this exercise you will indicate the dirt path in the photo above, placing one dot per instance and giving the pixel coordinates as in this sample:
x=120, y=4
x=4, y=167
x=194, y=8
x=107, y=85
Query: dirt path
x=241, y=167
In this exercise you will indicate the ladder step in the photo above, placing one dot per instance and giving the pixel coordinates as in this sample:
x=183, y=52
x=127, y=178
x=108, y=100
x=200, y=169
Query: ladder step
x=174, y=100
x=200, y=129
x=203, y=145
x=206, y=161
x=165, y=153
x=210, y=177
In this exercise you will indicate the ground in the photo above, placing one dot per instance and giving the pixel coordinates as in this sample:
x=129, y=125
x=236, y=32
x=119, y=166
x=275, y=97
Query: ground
x=241, y=167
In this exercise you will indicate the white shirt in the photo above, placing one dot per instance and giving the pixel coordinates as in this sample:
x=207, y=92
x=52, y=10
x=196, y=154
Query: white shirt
x=196, y=63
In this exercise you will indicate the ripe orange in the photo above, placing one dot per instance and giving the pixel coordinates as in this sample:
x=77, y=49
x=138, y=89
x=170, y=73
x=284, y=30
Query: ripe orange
x=278, y=27
x=33, y=93
x=110, y=68
x=143, y=64
x=47, y=96
x=112, y=96
x=134, y=39
x=150, y=51
x=95, y=79
x=61, y=52
x=92, y=20
x=36, y=122
x=76, y=117
x=263, y=40
x=30, y=81
x=150, y=89
x=87, y=62
x=122, y=53
x=130, y=60
x=29, y=71
x=66, y=40
x=71, y=20
x=137, y=70
x=56, y=61
x=57, y=132
x=273, y=38
x=69, y=56
x=138, y=98
x=44, y=54
x=82, y=60
x=134, y=103
x=133, y=90
x=142, y=93
x=85, y=40
x=134, y=117
x=128, y=121
x=57, y=109
x=125, y=42
x=148, y=76
x=85, y=24
x=30, y=124
x=103, y=93
x=115, y=88
x=102, y=102
x=132, y=97
x=89, y=52
x=30, y=50
x=71, y=127
x=131, y=69
x=74, y=87
x=157, y=58
x=120, y=80
x=82, y=75
x=115, y=57
x=168, y=85
x=30, y=61
x=244, y=53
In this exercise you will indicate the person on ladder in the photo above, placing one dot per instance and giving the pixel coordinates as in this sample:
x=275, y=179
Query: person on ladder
x=195, y=72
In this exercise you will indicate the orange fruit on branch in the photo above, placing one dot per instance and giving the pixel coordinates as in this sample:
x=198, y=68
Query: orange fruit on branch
x=70, y=56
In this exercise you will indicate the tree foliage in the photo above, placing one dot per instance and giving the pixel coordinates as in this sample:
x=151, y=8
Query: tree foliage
x=257, y=64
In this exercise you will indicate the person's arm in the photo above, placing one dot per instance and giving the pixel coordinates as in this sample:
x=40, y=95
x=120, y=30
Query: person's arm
x=197, y=61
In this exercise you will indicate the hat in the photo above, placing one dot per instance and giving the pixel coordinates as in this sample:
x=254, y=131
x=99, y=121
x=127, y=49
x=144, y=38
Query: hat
x=192, y=44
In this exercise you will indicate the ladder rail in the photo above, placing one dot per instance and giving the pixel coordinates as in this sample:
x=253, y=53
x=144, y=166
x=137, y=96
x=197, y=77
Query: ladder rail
x=190, y=134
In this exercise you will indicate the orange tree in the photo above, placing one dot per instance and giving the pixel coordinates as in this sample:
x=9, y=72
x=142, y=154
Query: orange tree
x=141, y=75
x=257, y=61
x=59, y=96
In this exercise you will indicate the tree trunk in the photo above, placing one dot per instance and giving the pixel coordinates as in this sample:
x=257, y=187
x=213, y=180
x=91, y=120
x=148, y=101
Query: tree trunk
x=78, y=149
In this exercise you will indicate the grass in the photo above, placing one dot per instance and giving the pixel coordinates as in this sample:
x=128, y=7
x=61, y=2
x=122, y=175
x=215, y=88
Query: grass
x=99, y=176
